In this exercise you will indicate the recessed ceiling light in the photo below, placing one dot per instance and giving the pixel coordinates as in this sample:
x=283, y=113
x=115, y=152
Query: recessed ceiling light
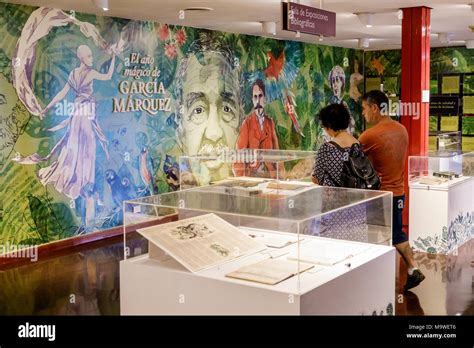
x=269, y=27
x=199, y=9
x=445, y=38
x=364, y=42
x=366, y=19
x=103, y=4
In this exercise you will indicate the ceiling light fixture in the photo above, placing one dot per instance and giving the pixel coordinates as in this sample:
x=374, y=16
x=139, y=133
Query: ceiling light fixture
x=364, y=42
x=103, y=4
x=269, y=27
x=366, y=19
x=470, y=44
x=444, y=38
x=198, y=9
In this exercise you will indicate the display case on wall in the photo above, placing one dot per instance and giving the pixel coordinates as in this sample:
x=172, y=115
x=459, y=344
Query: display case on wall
x=441, y=201
x=201, y=251
x=200, y=170
x=447, y=141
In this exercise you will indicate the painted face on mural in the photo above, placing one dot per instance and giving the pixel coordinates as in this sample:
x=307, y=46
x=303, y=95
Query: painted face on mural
x=211, y=106
x=258, y=98
x=337, y=84
x=84, y=54
x=336, y=81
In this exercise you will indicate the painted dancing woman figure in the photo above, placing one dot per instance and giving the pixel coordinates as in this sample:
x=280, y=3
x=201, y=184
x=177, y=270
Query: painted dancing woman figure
x=73, y=172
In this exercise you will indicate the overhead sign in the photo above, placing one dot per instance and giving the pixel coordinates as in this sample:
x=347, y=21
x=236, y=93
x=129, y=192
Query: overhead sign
x=444, y=106
x=309, y=20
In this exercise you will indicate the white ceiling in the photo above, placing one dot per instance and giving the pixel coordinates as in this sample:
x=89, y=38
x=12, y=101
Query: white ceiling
x=244, y=16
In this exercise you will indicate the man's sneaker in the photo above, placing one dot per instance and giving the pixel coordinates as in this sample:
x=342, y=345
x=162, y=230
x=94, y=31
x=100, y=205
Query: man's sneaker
x=414, y=280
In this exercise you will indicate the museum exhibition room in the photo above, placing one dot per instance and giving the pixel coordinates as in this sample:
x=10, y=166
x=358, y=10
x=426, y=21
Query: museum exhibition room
x=236, y=157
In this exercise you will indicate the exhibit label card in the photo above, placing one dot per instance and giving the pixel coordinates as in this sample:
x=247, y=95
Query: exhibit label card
x=201, y=242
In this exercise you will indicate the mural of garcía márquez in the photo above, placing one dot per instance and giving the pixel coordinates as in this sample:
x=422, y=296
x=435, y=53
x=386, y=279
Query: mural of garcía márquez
x=209, y=105
x=67, y=173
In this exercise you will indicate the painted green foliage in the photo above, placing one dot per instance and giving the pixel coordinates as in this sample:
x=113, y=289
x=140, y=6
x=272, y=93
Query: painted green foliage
x=141, y=145
x=451, y=60
x=386, y=63
x=443, y=60
x=468, y=125
x=468, y=84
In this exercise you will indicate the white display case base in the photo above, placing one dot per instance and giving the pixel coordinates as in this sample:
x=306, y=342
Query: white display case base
x=441, y=216
x=361, y=285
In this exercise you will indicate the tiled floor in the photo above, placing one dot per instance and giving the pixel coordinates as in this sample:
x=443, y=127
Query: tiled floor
x=86, y=282
x=83, y=282
x=448, y=288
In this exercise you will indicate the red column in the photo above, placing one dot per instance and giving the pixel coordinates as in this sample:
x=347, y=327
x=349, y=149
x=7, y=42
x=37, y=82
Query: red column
x=415, y=79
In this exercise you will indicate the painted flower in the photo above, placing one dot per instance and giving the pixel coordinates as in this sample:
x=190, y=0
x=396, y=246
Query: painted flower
x=180, y=37
x=164, y=32
x=170, y=51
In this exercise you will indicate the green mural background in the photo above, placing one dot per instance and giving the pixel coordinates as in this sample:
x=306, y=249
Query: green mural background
x=143, y=148
x=447, y=64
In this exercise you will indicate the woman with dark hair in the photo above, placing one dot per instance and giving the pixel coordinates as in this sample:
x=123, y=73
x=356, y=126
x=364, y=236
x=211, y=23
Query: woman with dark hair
x=347, y=224
x=334, y=120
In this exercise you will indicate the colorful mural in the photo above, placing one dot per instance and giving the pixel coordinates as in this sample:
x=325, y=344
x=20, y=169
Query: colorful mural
x=452, y=73
x=96, y=110
x=443, y=60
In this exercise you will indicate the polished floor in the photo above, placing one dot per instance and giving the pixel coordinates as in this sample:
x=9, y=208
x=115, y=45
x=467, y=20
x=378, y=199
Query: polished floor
x=86, y=282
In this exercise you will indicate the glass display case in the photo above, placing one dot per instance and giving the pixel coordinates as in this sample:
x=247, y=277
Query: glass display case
x=200, y=170
x=441, y=200
x=245, y=246
x=440, y=167
x=447, y=141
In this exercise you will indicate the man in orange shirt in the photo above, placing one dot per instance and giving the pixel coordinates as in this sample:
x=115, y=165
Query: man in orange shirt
x=257, y=132
x=386, y=145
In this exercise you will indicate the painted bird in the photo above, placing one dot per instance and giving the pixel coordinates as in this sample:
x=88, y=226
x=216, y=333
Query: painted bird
x=290, y=108
x=377, y=64
x=145, y=167
x=121, y=188
x=275, y=65
x=171, y=169
x=171, y=121
x=278, y=76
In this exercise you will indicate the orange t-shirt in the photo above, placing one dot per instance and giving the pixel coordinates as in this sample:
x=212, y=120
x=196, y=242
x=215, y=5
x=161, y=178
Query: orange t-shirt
x=386, y=144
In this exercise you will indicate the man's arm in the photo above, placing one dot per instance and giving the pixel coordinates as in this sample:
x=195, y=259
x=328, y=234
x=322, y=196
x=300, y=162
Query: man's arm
x=367, y=143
